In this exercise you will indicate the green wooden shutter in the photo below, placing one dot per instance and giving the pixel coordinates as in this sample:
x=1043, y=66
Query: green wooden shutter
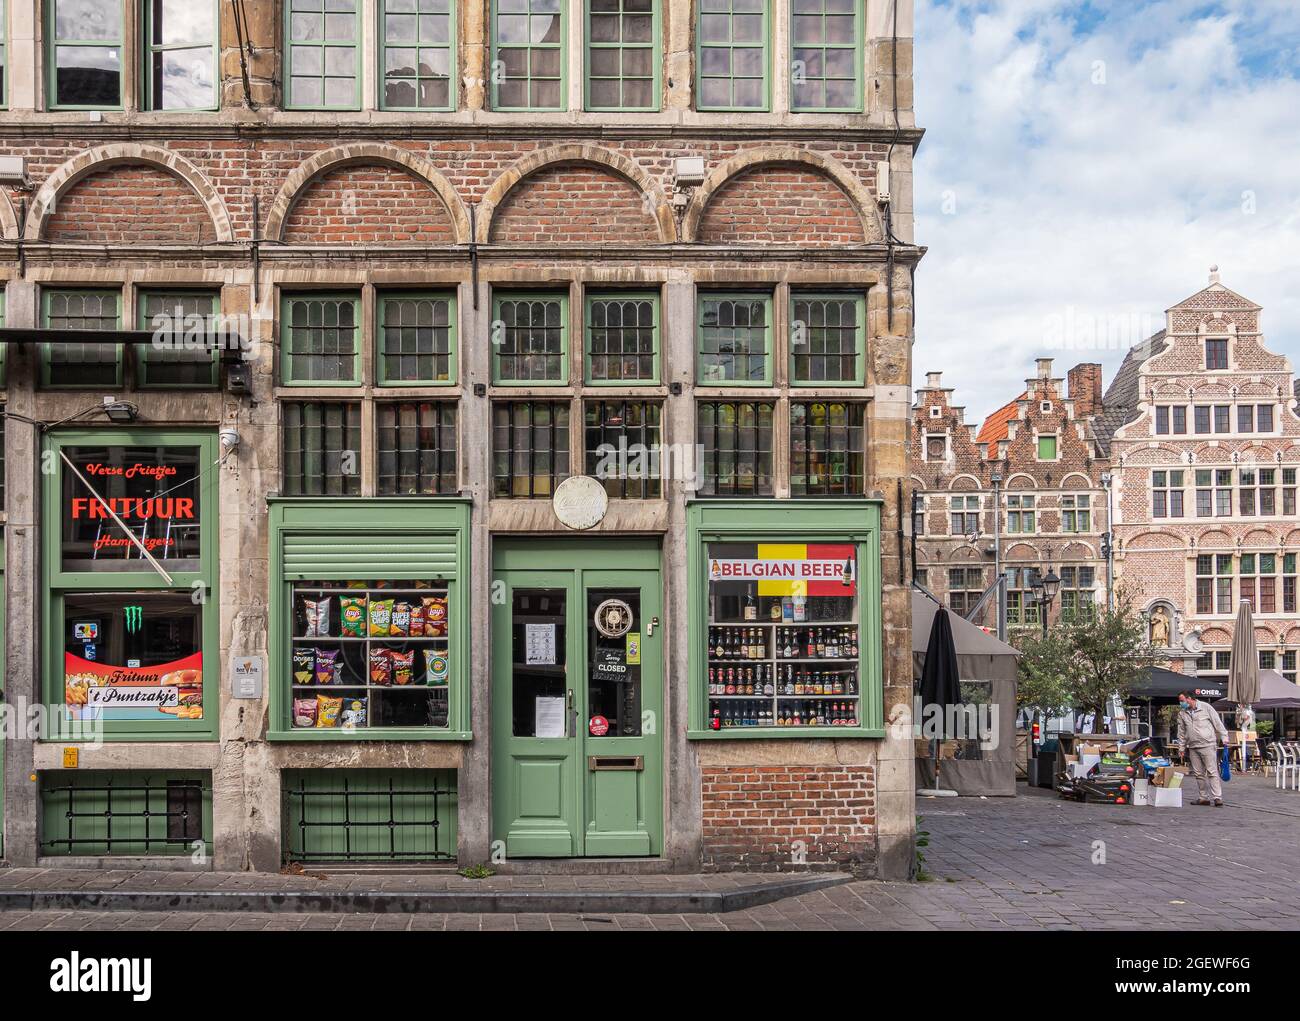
x=370, y=556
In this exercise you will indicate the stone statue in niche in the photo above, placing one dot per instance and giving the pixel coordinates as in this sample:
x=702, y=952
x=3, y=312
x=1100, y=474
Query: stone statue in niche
x=1159, y=628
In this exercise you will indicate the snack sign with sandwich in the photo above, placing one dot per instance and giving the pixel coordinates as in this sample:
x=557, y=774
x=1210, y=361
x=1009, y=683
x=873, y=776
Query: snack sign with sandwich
x=102, y=691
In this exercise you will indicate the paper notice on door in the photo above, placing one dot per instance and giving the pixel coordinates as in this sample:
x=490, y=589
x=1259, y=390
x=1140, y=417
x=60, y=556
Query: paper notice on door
x=549, y=720
x=539, y=642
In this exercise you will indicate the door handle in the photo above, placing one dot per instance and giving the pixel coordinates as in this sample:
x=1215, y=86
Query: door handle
x=571, y=717
x=650, y=628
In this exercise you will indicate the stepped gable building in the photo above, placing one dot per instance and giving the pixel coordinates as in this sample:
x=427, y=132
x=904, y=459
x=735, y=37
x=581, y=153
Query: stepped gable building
x=1041, y=450
x=1200, y=423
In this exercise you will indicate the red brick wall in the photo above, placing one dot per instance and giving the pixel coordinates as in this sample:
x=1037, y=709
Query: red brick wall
x=781, y=205
x=126, y=204
x=761, y=818
x=574, y=205
x=368, y=205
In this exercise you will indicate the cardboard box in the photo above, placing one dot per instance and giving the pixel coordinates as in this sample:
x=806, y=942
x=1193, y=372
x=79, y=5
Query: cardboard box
x=1141, y=792
x=1175, y=781
x=1166, y=797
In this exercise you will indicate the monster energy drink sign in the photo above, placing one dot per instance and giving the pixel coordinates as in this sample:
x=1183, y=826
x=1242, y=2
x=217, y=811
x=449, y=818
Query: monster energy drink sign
x=133, y=617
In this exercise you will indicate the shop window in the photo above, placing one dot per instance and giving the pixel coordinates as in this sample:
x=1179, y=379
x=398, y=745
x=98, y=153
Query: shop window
x=827, y=449
x=826, y=338
x=1076, y=513
x=624, y=447
x=370, y=654
x=783, y=636
x=85, y=54
x=826, y=55
x=529, y=55
x=324, y=59
x=622, y=338
x=732, y=55
x=1077, y=593
x=179, y=355
x=321, y=448
x=964, y=515
x=417, y=339
x=1216, y=353
x=622, y=54
x=1020, y=514
x=125, y=812
x=1047, y=448
x=419, y=55
x=965, y=587
x=735, y=340
x=530, y=339
x=737, y=443
x=320, y=339
x=75, y=365
x=1167, y=494
x=530, y=448
x=181, y=36
x=417, y=448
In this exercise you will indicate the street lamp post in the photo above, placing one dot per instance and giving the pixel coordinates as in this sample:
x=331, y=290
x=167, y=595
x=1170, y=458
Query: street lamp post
x=1045, y=587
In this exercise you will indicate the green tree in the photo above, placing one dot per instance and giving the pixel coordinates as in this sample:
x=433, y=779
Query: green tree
x=1085, y=661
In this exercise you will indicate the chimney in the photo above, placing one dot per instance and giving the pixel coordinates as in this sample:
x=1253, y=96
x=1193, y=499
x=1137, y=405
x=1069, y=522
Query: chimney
x=1084, y=383
x=1044, y=368
x=932, y=380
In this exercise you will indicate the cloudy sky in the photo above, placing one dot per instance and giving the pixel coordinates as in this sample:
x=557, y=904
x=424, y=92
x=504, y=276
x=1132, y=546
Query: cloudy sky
x=1084, y=165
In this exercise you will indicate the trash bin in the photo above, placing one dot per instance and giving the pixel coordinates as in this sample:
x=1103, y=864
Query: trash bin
x=1046, y=763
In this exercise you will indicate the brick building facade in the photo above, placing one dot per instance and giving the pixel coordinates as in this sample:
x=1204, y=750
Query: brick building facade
x=1029, y=474
x=465, y=249
x=1202, y=428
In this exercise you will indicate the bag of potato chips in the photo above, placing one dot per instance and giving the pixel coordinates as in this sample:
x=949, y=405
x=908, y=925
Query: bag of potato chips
x=327, y=711
x=381, y=618
x=352, y=614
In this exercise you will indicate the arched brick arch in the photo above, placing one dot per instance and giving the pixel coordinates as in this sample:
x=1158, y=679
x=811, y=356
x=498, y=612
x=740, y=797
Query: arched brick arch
x=105, y=157
x=589, y=155
x=784, y=155
x=357, y=154
x=8, y=221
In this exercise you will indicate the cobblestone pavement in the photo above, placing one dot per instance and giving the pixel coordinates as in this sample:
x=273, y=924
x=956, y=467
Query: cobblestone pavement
x=1031, y=862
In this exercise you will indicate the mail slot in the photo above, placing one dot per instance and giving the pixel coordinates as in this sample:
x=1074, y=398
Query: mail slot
x=635, y=763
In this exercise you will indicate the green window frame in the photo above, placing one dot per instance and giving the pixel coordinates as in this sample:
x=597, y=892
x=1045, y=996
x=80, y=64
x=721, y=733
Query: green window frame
x=826, y=56
x=622, y=338
x=624, y=56
x=524, y=69
x=73, y=309
x=313, y=326
x=723, y=320
x=538, y=345
x=735, y=439
x=167, y=53
x=828, y=448
x=323, y=43
x=97, y=42
x=820, y=352
x=417, y=55
x=531, y=453
x=415, y=448
x=155, y=363
x=4, y=55
x=320, y=448
x=733, y=55
x=415, y=339
x=1047, y=448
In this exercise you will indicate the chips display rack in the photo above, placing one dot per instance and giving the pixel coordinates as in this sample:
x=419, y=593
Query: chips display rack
x=381, y=713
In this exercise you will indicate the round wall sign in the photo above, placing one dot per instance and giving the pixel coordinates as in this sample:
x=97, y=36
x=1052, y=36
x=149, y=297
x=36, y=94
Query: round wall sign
x=580, y=502
x=613, y=618
x=599, y=726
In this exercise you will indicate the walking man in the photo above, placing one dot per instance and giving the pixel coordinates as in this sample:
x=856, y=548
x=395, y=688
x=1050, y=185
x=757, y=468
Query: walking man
x=1201, y=732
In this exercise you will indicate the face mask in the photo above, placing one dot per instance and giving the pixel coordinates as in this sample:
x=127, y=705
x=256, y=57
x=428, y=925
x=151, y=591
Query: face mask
x=1185, y=706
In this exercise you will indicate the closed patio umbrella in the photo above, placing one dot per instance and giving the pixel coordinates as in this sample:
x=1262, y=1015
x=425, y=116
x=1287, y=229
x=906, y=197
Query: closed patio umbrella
x=1243, y=675
x=940, y=681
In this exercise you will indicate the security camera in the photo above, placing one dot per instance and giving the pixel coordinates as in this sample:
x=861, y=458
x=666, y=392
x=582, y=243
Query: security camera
x=229, y=438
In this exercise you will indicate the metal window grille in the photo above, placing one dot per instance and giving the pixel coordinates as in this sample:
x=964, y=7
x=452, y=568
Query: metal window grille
x=321, y=339
x=530, y=447
x=173, y=361
x=623, y=447
x=129, y=813
x=417, y=448
x=621, y=337
x=415, y=337
x=733, y=339
x=375, y=819
x=532, y=340
x=827, y=449
x=737, y=442
x=83, y=364
x=321, y=448
x=824, y=340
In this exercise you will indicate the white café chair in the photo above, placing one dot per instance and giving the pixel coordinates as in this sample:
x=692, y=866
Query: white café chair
x=1288, y=765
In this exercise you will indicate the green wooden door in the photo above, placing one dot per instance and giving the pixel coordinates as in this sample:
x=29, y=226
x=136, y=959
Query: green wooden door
x=576, y=704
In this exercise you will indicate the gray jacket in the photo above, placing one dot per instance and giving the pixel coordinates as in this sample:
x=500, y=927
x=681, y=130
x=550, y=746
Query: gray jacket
x=1200, y=726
